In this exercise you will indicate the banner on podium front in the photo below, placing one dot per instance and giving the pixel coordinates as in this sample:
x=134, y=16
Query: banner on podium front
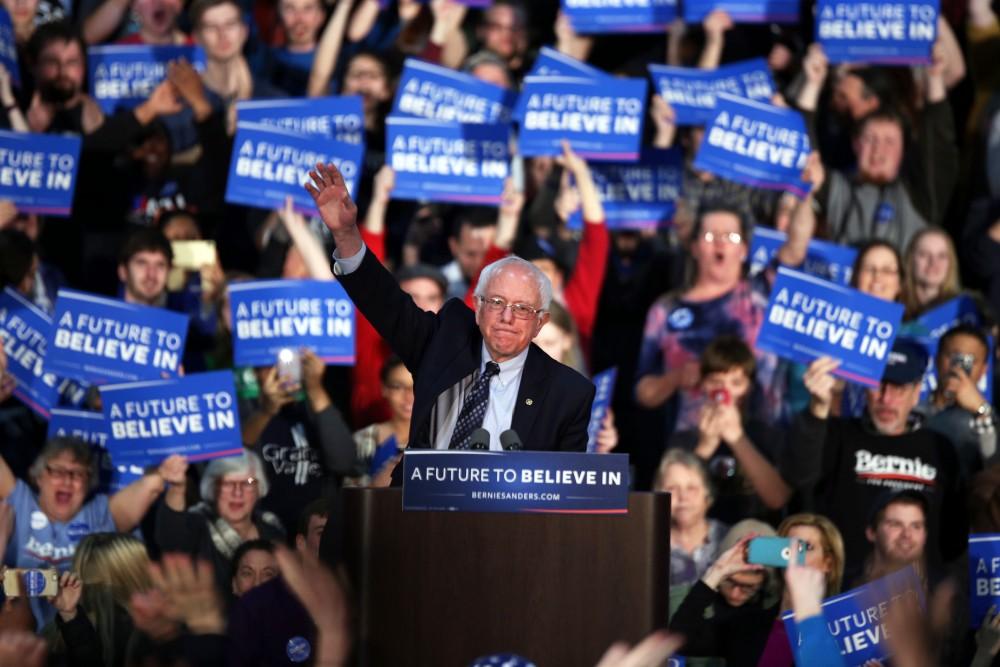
x=808, y=318
x=555, y=482
x=96, y=339
x=691, y=92
x=124, y=75
x=610, y=16
x=434, y=92
x=195, y=415
x=38, y=171
x=448, y=162
x=887, y=32
x=270, y=315
x=270, y=164
x=825, y=260
x=600, y=121
x=340, y=118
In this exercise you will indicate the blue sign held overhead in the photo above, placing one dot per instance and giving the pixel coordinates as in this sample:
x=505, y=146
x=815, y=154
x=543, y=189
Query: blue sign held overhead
x=744, y=11
x=825, y=260
x=554, y=63
x=756, y=144
x=984, y=575
x=195, y=415
x=808, y=318
x=515, y=482
x=125, y=75
x=83, y=424
x=605, y=383
x=270, y=164
x=880, y=32
x=638, y=195
x=609, y=16
x=340, y=118
x=448, y=162
x=38, y=171
x=269, y=315
x=96, y=339
x=8, y=48
x=24, y=330
x=601, y=122
x=691, y=92
x=440, y=93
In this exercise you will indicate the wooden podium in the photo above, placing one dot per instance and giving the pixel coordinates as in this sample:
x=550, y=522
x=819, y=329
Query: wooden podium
x=443, y=588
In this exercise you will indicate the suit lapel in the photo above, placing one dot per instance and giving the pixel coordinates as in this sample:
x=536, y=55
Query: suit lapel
x=530, y=395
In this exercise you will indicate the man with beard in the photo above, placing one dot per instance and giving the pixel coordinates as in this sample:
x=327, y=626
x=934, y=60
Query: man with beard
x=58, y=57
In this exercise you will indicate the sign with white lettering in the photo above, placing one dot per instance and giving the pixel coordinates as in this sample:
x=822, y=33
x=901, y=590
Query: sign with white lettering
x=608, y=16
x=340, y=118
x=125, y=75
x=434, y=92
x=891, y=32
x=38, y=171
x=984, y=575
x=691, y=92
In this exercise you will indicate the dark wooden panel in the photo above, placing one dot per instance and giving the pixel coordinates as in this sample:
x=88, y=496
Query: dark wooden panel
x=441, y=588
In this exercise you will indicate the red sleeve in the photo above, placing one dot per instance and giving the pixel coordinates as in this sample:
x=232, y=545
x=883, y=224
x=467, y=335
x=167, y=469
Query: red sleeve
x=431, y=53
x=493, y=253
x=370, y=352
x=583, y=289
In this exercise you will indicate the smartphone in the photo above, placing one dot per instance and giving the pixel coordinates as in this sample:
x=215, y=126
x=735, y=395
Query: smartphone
x=773, y=551
x=720, y=396
x=189, y=256
x=290, y=367
x=963, y=361
x=33, y=583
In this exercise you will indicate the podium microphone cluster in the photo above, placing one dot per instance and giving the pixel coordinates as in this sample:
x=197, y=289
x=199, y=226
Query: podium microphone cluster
x=479, y=440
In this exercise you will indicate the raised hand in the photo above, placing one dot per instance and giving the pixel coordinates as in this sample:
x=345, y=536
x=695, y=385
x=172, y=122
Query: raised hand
x=820, y=384
x=173, y=470
x=322, y=596
x=730, y=562
x=329, y=192
x=68, y=597
x=806, y=586
x=189, y=589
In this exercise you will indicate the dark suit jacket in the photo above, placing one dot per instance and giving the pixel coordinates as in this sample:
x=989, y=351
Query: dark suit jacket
x=553, y=400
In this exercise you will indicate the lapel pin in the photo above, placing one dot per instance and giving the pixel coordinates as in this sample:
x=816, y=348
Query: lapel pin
x=528, y=401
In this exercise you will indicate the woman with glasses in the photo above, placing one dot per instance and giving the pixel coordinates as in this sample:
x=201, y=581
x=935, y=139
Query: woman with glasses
x=227, y=516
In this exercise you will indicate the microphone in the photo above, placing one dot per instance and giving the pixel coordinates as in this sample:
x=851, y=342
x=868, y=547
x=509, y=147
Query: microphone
x=511, y=441
x=479, y=439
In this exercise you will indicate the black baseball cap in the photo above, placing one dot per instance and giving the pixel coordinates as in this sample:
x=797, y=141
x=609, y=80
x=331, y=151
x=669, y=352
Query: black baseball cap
x=907, y=362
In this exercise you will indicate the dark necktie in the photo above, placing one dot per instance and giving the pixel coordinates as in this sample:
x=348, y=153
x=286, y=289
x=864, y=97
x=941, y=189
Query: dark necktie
x=474, y=408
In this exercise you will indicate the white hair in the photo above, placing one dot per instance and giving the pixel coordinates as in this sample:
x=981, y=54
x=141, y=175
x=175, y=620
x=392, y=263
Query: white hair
x=247, y=462
x=491, y=271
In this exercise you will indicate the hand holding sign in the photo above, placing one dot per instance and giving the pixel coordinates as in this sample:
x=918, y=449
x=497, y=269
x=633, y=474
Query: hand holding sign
x=821, y=384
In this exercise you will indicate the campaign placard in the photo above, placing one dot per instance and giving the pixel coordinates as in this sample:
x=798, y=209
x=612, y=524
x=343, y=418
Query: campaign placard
x=935, y=323
x=434, y=92
x=340, y=118
x=638, y=195
x=535, y=482
x=984, y=575
x=856, y=618
x=124, y=75
x=825, y=260
x=808, y=318
x=605, y=383
x=448, y=162
x=24, y=330
x=554, y=63
x=887, y=32
x=744, y=11
x=610, y=16
x=691, y=92
x=98, y=340
x=270, y=164
x=38, y=171
x=8, y=48
x=757, y=144
x=195, y=415
x=269, y=315
x=601, y=122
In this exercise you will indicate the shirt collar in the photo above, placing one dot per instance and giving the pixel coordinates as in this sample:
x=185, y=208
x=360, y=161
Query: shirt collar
x=510, y=370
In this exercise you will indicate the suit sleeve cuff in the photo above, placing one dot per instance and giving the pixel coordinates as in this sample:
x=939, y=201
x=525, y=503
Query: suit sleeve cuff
x=343, y=266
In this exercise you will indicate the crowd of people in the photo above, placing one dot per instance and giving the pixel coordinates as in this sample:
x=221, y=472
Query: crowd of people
x=182, y=565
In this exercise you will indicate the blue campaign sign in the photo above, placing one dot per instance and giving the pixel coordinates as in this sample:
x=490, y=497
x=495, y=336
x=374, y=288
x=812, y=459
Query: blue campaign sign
x=269, y=315
x=340, y=118
x=855, y=618
x=605, y=16
x=96, y=339
x=195, y=415
x=448, y=162
x=691, y=92
x=440, y=93
x=884, y=32
x=744, y=11
x=8, y=48
x=553, y=63
x=984, y=575
x=756, y=144
x=638, y=195
x=24, y=330
x=269, y=164
x=515, y=482
x=384, y=453
x=38, y=171
x=125, y=75
x=605, y=383
x=808, y=318
x=932, y=325
x=601, y=122
x=823, y=259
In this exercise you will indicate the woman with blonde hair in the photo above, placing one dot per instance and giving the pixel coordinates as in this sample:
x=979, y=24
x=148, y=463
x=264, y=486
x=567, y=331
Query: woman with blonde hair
x=930, y=275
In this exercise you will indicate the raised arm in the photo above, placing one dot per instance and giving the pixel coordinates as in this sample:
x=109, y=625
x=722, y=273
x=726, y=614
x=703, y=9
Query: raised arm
x=328, y=50
x=129, y=505
x=102, y=23
x=306, y=243
x=568, y=41
x=803, y=222
x=715, y=24
x=363, y=20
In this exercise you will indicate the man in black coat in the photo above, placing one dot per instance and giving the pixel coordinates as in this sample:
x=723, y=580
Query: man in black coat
x=470, y=369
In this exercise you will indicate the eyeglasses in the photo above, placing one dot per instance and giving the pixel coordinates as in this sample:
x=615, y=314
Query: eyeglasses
x=724, y=237
x=749, y=589
x=878, y=271
x=521, y=311
x=232, y=486
x=61, y=474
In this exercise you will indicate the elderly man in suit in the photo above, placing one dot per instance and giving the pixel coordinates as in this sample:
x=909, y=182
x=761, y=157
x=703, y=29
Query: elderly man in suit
x=470, y=369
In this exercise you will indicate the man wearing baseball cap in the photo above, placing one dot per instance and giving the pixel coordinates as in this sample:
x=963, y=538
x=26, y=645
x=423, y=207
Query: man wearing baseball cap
x=842, y=465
